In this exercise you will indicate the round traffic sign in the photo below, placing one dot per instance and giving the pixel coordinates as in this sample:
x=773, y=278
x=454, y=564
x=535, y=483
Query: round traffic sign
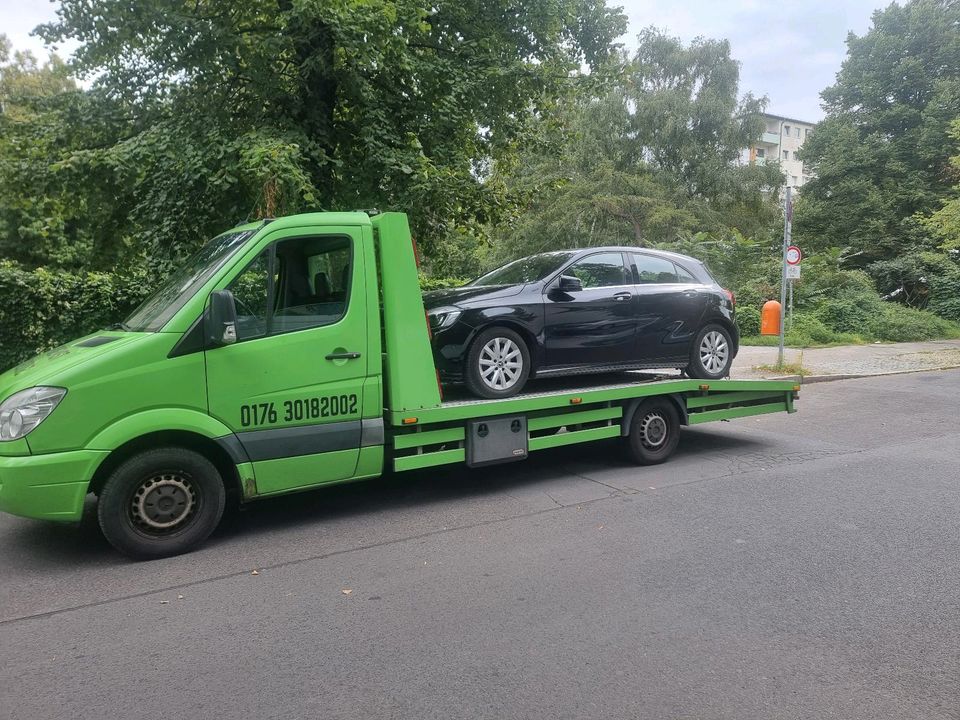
x=794, y=256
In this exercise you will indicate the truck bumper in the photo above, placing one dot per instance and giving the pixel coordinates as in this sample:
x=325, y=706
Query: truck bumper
x=47, y=487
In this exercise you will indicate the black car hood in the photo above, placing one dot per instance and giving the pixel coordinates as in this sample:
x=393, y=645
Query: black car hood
x=467, y=294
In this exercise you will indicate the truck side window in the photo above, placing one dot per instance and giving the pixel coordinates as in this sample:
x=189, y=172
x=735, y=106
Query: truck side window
x=249, y=290
x=311, y=287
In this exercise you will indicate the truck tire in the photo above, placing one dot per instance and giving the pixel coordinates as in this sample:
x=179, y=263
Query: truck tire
x=712, y=353
x=498, y=363
x=161, y=502
x=654, y=432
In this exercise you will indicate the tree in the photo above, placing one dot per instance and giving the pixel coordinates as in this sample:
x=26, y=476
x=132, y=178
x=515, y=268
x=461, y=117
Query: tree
x=881, y=156
x=652, y=158
x=269, y=106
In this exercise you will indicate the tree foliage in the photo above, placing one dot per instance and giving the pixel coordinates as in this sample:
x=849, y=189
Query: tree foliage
x=881, y=156
x=203, y=112
x=650, y=158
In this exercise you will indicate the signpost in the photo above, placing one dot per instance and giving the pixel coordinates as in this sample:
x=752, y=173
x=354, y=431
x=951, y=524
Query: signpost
x=787, y=233
x=793, y=258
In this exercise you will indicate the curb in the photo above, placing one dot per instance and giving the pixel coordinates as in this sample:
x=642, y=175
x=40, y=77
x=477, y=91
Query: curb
x=850, y=376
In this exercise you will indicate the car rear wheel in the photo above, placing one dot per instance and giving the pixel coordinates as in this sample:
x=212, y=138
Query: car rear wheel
x=498, y=363
x=712, y=354
x=161, y=502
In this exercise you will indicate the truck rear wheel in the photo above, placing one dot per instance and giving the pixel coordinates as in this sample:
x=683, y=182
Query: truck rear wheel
x=654, y=432
x=161, y=502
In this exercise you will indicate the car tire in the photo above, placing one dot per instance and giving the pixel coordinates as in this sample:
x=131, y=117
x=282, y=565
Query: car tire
x=160, y=503
x=654, y=432
x=712, y=353
x=492, y=370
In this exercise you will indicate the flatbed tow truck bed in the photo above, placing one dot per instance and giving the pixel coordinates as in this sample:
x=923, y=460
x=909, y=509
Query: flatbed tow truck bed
x=578, y=409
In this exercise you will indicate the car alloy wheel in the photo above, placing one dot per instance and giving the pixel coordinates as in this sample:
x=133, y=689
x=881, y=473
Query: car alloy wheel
x=501, y=364
x=714, y=351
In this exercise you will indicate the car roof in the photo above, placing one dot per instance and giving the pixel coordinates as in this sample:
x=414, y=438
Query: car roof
x=650, y=251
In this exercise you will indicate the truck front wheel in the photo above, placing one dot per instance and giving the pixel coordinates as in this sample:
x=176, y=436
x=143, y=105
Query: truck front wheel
x=161, y=502
x=654, y=432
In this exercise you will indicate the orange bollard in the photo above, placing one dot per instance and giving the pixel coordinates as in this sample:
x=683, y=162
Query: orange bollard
x=770, y=318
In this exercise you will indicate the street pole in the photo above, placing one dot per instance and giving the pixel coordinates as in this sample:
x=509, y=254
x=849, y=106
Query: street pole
x=790, y=305
x=787, y=232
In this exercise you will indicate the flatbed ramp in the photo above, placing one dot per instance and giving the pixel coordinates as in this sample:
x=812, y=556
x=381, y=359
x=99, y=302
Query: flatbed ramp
x=564, y=412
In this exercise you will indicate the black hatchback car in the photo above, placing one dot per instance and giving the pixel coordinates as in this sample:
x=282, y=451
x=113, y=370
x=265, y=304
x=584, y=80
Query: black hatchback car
x=575, y=311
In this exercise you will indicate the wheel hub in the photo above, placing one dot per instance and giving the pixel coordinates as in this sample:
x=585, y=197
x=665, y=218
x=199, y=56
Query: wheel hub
x=162, y=502
x=653, y=430
x=714, y=351
x=501, y=363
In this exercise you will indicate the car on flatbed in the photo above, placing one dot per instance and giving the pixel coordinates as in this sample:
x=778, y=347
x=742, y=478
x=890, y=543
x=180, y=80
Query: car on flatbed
x=287, y=355
x=566, y=312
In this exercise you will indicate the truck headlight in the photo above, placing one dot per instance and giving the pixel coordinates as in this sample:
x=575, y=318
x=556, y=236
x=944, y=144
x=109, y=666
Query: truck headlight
x=441, y=318
x=22, y=412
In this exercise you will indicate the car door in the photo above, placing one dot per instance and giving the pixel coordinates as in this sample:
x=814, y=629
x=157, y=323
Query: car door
x=596, y=325
x=291, y=386
x=670, y=305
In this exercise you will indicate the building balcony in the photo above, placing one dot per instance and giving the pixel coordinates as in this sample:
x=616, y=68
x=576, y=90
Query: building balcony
x=769, y=138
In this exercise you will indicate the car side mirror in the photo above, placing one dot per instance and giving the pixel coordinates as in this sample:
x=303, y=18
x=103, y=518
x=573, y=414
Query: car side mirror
x=569, y=283
x=222, y=328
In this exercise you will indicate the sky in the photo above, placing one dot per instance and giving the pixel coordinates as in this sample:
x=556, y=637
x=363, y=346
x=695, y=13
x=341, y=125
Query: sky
x=789, y=50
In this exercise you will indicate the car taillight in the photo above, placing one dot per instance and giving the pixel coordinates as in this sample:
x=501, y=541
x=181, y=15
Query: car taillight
x=730, y=297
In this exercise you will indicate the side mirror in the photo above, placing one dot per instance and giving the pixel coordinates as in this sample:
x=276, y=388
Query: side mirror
x=569, y=284
x=222, y=327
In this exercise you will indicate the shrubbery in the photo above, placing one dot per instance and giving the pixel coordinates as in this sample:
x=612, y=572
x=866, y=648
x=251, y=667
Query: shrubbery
x=46, y=309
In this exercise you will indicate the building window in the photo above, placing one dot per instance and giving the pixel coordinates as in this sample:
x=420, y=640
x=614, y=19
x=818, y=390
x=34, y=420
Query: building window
x=796, y=155
x=786, y=155
x=797, y=132
x=793, y=180
x=761, y=152
x=786, y=130
x=806, y=133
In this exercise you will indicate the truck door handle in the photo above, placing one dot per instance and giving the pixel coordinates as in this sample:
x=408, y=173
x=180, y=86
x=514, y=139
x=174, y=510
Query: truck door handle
x=620, y=297
x=343, y=356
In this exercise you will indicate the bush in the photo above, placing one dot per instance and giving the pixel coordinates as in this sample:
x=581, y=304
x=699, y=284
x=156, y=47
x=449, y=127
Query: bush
x=431, y=283
x=748, y=321
x=898, y=323
x=46, y=308
x=850, y=313
x=812, y=329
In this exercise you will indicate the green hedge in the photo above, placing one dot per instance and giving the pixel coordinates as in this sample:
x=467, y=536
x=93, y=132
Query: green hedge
x=43, y=309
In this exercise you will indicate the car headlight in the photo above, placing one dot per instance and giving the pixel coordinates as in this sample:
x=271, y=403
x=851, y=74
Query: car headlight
x=22, y=412
x=441, y=318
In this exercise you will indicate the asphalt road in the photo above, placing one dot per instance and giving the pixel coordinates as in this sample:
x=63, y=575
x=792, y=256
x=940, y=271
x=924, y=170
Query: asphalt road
x=803, y=566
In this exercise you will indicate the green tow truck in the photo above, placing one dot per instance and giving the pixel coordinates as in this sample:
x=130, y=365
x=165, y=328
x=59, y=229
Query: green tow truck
x=289, y=354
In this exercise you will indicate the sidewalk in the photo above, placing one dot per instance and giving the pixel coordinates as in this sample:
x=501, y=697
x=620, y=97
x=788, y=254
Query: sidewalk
x=835, y=363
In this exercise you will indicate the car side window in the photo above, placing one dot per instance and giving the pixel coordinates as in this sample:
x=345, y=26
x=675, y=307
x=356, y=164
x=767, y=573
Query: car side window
x=295, y=284
x=652, y=270
x=600, y=270
x=684, y=277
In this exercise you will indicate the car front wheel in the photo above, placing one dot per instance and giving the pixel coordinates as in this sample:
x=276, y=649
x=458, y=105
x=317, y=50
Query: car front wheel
x=712, y=354
x=498, y=364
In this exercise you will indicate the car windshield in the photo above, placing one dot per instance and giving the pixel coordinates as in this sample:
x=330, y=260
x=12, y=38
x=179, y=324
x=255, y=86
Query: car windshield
x=156, y=311
x=526, y=270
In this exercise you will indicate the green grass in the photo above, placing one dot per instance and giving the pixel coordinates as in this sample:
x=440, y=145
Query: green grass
x=793, y=340
x=785, y=369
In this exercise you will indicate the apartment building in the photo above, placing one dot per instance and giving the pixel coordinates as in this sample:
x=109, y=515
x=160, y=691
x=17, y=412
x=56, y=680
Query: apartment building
x=781, y=141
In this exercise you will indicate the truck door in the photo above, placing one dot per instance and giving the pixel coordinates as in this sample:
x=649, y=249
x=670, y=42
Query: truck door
x=291, y=385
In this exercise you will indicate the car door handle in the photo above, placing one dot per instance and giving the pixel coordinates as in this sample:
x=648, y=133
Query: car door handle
x=343, y=356
x=621, y=296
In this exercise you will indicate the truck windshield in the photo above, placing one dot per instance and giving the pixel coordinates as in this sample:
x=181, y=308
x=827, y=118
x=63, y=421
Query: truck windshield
x=526, y=270
x=156, y=311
